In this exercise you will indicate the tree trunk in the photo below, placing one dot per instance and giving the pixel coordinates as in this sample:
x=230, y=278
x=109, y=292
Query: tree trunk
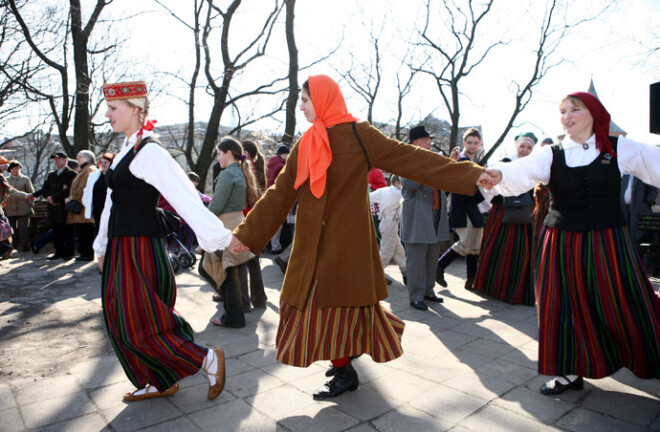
x=81, y=116
x=290, y=127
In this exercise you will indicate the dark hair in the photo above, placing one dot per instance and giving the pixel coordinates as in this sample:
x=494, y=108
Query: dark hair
x=306, y=86
x=258, y=163
x=472, y=132
x=13, y=164
x=229, y=144
x=395, y=178
x=193, y=176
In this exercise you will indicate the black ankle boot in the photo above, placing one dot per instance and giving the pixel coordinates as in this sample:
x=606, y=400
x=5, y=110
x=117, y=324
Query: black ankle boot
x=447, y=258
x=345, y=379
x=471, y=261
x=332, y=370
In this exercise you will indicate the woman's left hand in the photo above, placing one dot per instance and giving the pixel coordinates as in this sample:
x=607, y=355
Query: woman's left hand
x=489, y=178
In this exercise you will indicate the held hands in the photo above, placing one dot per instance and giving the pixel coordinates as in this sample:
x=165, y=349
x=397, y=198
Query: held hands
x=236, y=246
x=29, y=198
x=489, y=178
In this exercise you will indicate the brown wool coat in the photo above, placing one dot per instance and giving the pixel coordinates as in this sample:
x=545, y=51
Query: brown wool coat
x=334, y=240
x=77, y=188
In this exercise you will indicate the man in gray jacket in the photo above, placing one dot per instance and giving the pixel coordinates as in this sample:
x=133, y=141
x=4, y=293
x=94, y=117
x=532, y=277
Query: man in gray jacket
x=424, y=225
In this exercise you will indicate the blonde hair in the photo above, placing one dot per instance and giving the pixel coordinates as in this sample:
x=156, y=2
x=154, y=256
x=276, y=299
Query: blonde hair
x=142, y=104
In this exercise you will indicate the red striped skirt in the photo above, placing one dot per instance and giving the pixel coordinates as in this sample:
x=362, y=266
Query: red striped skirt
x=314, y=333
x=154, y=344
x=505, y=261
x=597, y=310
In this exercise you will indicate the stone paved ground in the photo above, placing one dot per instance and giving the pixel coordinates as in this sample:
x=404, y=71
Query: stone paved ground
x=469, y=365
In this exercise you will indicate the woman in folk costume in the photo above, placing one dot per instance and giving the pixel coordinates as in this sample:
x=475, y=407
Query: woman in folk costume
x=505, y=261
x=154, y=343
x=334, y=281
x=597, y=310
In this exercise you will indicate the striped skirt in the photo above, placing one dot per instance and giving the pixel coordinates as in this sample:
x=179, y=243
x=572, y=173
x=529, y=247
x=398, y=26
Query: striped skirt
x=505, y=266
x=312, y=334
x=597, y=310
x=154, y=344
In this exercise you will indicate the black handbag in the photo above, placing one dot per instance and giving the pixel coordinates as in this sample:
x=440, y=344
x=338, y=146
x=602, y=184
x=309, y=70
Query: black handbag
x=74, y=207
x=516, y=209
x=169, y=222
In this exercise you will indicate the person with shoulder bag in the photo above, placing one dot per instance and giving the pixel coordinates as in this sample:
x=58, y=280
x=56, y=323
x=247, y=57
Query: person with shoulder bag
x=505, y=269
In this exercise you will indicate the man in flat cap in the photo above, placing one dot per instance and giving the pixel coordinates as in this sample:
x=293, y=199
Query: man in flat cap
x=55, y=190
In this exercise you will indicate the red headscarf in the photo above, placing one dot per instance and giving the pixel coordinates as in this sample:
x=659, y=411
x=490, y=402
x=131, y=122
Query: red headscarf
x=314, y=153
x=601, y=120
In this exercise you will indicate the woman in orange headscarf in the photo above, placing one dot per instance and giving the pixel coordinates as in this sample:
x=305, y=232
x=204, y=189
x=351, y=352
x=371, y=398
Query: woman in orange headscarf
x=334, y=280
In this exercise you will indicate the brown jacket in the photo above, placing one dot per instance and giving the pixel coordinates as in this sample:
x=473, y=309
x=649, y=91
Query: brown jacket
x=334, y=241
x=18, y=205
x=77, y=188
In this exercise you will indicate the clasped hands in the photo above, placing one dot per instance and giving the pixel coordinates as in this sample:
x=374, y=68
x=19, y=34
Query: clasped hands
x=236, y=246
x=489, y=178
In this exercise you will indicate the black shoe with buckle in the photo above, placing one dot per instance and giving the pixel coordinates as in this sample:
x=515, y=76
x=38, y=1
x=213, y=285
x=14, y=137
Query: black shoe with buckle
x=345, y=379
x=554, y=387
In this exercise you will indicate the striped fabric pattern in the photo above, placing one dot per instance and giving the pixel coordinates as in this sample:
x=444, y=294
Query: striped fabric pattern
x=154, y=344
x=597, y=310
x=312, y=334
x=505, y=266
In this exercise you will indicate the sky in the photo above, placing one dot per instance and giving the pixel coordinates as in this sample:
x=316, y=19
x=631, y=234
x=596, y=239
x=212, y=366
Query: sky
x=613, y=51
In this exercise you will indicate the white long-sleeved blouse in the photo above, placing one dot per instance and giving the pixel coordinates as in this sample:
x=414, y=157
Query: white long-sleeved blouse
x=639, y=159
x=154, y=165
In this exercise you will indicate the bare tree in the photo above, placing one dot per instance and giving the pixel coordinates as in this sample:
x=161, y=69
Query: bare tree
x=64, y=104
x=364, y=75
x=405, y=76
x=292, y=99
x=17, y=68
x=455, y=54
x=553, y=31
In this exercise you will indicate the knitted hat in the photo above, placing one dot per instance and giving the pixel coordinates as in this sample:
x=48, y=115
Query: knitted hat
x=283, y=150
x=3, y=160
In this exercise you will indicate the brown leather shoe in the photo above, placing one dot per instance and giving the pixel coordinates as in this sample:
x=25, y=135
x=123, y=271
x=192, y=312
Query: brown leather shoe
x=215, y=390
x=132, y=397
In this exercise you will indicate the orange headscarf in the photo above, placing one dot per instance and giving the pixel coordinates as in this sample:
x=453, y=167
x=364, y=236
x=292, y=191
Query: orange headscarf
x=314, y=153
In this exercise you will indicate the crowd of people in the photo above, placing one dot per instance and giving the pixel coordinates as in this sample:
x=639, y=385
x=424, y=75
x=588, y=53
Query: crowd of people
x=553, y=226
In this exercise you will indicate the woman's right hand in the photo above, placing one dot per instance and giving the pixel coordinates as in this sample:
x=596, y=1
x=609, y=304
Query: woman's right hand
x=236, y=246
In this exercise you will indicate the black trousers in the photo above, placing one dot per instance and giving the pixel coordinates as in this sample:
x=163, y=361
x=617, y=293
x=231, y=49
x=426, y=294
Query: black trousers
x=85, y=234
x=63, y=239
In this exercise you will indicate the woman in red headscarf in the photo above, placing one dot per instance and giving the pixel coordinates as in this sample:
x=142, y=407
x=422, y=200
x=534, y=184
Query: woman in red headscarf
x=597, y=310
x=334, y=280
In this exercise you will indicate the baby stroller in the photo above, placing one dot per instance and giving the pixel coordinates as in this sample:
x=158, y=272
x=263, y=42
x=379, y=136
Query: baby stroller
x=177, y=253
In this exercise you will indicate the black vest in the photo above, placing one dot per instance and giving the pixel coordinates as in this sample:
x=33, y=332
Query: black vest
x=585, y=198
x=134, y=201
